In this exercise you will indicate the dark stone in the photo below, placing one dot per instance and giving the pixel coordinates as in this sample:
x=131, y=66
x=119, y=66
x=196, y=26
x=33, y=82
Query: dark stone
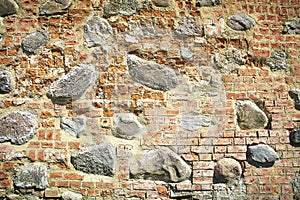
x=35, y=41
x=292, y=27
x=6, y=82
x=192, y=123
x=208, y=2
x=98, y=159
x=295, y=94
x=8, y=7
x=117, y=7
x=240, y=22
x=72, y=86
x=162, y=3
x=17, y=127
x=262, y=153
x=51, y=7
x=295, y=137
x=72, y=126
x=296, y=186
x=31, y=176
x=227, y=170
x=229, y=59
x=277, y=60
x=189, y=26
x=160, y=164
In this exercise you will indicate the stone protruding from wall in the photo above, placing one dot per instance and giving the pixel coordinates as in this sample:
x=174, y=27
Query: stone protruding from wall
x=72, y=86
x=97, y=31
x=98, y=159
x=189, y=26
x=32, y=176
x=73, y=126
x=250, y=116
x=17, y=127
x=295, y=94
x=292, y=27
x=117, y=7
x=8, y=7
x=151, y=74
x=69, y=195
x=296, y=186
x=6, y=82
x=162, y=3
x=262, y=153
x=127, y=126
x=229, y=60
x=51, y=7
x=295, y=137
x=35, y=41
x=241, y=22
x=227, y=170
x=208, y=2
x=160, y=164
x=186, y=53
x=277, y=60
x=192, y=123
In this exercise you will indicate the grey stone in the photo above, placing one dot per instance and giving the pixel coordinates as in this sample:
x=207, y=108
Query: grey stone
x=98, y=159
x=151, y=74
x=262, y=153
x=192, y=123
x=127, y=126
x=250, y=116
x=97, y=31
x=227, y=191
x=277, y=60
x=72, y=86
x=208, y=2
x=117, y=7
x=51, y=7
x=31, y=176
x=295, y=137
x=6, y=82
x=189, y=26
x=8, y=7
x=229, y=60
x=186, y=53
x=296, y=186
x=1, y=36
x=69, y=195
x=228, y=170
x=35, y=41
x=240, y=22
x=162, y=3
x=73, y=126
x=160, y=164
x=295, y=94
x=292, y=27
x=17, y=127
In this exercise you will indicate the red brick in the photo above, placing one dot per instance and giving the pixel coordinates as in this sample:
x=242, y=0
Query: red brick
x=73, y=176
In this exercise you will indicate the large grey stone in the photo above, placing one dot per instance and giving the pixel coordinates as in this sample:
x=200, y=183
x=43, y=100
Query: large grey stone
x=292, y=27
x=6, y=82
x=295, y=94
x=229, y=60
x=237, y=191
x=189, y=26
x=117, y=7
x=98, y=159
x=162, y=3
x=72, y=86
x=35, y=41
x=17, y=127
x=277, y=60
x=51, y=7
x=72, y=126
x=8, y=7
x=228, y=170
x=31, y=176
x=97, y=31
x=250, y=116
x=69, y=195
x=262, y=153
x=192, y=123
x=296, y=186
x=151, y=74
x=160, y=164
x=208, y=2
x=240, y=22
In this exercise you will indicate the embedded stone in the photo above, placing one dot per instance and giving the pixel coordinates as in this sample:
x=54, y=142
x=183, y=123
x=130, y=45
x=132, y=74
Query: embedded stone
x=250, y=116
x=69, y=195
x=117, y=7
x=186, y=53
x=73, y=126
x=229, y=59
x=151, y=74
x=296, y=186
x=17, y=127
x=262, y=153
x=72, y=86
x=8, y=7
x=127, y=126
x=97, y=31
x=6, y=82
x=51, y=7
x=295, y=137
x=228, y=191
x=208, y=2
x=240, y=22
x=35, y=41
x=162, y=3
x=292, y=27
x=160, y=164
x=192, y=123
x=295, y=94
x=98, y=159
x=228, y=170
x=277, y=60
x=189, y=26
x=31, y=176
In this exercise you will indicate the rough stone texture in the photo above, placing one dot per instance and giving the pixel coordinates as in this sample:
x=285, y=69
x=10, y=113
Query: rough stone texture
x=295, y=94
x=192, y=123
x=208, y=2
x=69, y=195
x=240, y=22
x=229, y=60
x=292, y=27
x=277, y=60
x=6, y=82
x=295, y=137
x=98, y=159
x=162, y=3
x=51, y=7
x=228, y=170
x=151, y=74
x=160, y=164
x=296, y=186
x=186, y=53
x=236, y=191
x=8, y=7
x=262, y=153
x=127, y=126
x=72, y=126
x=117, y=7
x=17, y=127
x=31, y=176
x=188, y=26
x=97, y=31
x=72, y=86
x=35, y=41
x=250, y=116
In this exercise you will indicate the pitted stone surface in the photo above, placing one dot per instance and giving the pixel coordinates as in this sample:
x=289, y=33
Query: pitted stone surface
x=237, y=191
x=127, y=126
x=292, y=27
x=160, y=164
x=162, y=3
x=8, y=7
x=262, y=153
x=208, y=2
x=31, y=176
x=295, y=137
x=6, y=82
x=250, y=116
x=51, y=7
x=228, y=170
x=229, y=60
x=295, y=94
x=97, y=31
x=72, y=126
x=98, y=159
x=277, y=60
x=189, y=26
x=240, y=22
x=69, y=195
x=72, y=86
x=151, y=74
x=17, y=127
x=117, y=7
x=35, y=41
x=192, y=123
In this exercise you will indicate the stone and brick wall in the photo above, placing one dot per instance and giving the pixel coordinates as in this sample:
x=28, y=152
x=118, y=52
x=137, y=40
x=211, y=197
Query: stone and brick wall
x=149, y=99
